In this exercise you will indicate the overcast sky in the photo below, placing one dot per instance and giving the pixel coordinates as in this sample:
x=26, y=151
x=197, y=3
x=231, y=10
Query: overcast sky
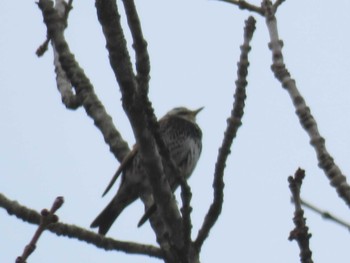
x=48, y=151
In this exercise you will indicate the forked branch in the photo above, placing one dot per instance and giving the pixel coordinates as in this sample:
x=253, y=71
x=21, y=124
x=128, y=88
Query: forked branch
x=72, y=231
x=81, y=83
x=307, y=121
x=325, y=160
x=47, y=218
x=140, y=113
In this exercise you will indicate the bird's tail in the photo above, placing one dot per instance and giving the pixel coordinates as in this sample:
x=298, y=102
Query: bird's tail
x=149, y=212
x=107, y=217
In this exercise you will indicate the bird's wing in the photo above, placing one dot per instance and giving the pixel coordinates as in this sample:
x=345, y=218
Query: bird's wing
x=128, y=158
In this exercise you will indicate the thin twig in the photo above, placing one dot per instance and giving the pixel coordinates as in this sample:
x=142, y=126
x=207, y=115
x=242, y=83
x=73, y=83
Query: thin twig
x=72, y=231
x=325, y=214
x=307, y=121
x=277, y=4
x=246, y=6
x=300, y=232
x=47, y=218
x=43, y=48
x=233, y=123
x=253, y=8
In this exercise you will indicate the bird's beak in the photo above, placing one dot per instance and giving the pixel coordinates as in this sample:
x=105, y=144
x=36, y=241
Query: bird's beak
x=195, y=112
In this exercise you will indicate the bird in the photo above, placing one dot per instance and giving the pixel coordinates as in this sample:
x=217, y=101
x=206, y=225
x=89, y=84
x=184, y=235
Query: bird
x=183, y=138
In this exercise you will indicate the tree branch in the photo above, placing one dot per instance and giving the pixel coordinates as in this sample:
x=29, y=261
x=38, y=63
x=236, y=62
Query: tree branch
x=82, y=85
x=186, y=196
x=64, y=9
x=250, y=7
x=140, y=45
x=143, y=70
x=69, y=99
x=46, y=218
x=72, y=231
x=233, y=123
x=276, y=5
x=64, y=86
x=140, y=113
x=324, y=214
x=300, y=232
x=246, y=6
x=307, y=121
x=119, y=57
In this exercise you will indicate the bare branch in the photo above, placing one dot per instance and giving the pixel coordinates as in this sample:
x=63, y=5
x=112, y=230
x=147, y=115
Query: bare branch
x=325, y=160
x=233, y=123
x=250, y=7
x=82, y=85
x=47, y=218
x=120, y=62
x=42, y=48
x=276, y=5
x=72, y=231
x=143, y=70
x=186, y=196
x=246, y=6
x=325, y=214
x=300, y=232
x=69, y=98
x=140, y=45
x=119, y=57
x=140, y=113
x=64, y=9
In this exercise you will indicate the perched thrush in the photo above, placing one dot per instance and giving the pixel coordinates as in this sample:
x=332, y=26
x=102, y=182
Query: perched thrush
x=183, y=138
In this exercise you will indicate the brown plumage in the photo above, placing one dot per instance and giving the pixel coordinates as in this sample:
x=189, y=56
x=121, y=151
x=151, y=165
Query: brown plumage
x=183, y=137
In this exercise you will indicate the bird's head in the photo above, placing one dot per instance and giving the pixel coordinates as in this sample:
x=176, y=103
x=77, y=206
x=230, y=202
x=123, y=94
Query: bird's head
x=184, y=113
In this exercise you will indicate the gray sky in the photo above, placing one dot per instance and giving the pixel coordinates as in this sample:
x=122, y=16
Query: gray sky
x=47, y=151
